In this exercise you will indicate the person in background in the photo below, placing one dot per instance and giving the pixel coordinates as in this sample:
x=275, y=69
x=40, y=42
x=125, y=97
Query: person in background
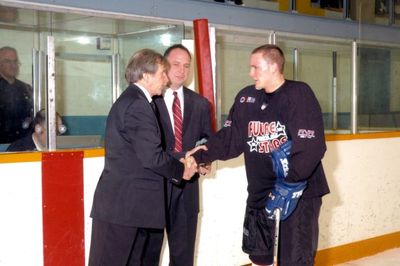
x=16, y=102
x=183, y=199
x=38, y=139
x=276, y=116
x=129, y=200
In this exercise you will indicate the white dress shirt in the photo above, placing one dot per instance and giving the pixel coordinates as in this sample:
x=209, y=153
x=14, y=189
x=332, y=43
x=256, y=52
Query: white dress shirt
x=148, y=96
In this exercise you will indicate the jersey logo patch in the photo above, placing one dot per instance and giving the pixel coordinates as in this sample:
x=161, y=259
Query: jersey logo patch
x=227, y=123
x=306, y=134
x=248, y=99
x=265, y=136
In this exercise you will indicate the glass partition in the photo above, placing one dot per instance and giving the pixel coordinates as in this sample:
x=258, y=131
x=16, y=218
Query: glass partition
x=325, y=65
x=233, y=54
x=367, y=11
x=91, y=53
x=305, y=57
x=90, y=57
x=133, y=36
x=263, y=4
x=379, y=89
x=364, y=11
x=17, y=39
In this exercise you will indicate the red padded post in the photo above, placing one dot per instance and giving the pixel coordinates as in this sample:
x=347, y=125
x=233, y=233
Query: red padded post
x=204, y=66
x=63, y=209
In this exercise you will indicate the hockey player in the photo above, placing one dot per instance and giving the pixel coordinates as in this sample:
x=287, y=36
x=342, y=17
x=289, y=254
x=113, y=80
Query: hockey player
x=263, y=117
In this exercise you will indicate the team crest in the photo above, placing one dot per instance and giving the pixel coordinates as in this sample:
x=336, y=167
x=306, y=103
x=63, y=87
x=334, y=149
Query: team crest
x=265, y=136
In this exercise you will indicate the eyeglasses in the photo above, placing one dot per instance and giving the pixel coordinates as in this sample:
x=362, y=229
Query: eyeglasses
x=11, y=62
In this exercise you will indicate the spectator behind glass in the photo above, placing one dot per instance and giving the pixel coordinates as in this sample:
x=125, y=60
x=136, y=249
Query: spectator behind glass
x=16, y=104
x=37, y=140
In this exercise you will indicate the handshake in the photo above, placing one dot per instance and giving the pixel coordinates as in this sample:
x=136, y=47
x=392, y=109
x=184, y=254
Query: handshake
x=191, y=166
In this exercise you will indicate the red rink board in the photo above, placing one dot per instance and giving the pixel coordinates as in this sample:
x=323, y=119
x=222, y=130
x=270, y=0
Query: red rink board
x=63, y=209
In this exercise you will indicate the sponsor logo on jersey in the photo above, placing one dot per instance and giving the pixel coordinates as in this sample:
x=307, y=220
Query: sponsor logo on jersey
x=306, y=134
x=228, y=123
x=247, y=99
x=265, y=136
x=251, y=100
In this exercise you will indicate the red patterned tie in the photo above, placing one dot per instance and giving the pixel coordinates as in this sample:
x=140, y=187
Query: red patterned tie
x=176, y=109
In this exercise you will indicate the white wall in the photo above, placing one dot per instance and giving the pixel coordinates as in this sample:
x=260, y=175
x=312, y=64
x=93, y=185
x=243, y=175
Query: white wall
x=21, y=234
x=364, y=202
x=365, y=184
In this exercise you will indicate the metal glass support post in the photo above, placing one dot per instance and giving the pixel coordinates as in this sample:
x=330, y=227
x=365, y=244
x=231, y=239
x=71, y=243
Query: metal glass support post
x=346, y=9
x=115, y=63
x=292, y=7
x=354, y=88
x=272, y=38
x=391, y=9
x=51, y=96
x=334, y=91
x=36, y=82
x=295, y=64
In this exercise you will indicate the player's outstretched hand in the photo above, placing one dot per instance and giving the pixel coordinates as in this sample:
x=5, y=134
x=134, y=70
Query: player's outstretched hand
x=195, y=149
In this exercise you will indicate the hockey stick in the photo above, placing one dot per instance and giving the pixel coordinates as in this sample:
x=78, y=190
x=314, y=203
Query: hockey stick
x=277, y=213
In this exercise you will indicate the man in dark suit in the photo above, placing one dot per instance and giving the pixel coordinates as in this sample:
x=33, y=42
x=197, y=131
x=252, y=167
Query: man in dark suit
x=16, y=98
x=129, y=200
x=183, y=199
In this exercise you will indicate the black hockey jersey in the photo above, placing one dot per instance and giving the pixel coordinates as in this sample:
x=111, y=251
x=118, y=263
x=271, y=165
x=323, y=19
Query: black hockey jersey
x=260, y=122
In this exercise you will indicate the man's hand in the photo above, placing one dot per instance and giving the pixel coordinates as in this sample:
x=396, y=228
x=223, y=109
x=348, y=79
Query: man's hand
x=190, y=167
x=195, y=149
x=204, y=168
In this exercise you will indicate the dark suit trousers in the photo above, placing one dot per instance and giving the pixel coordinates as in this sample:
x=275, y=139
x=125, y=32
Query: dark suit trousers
x=181, y=232
x=116, y=245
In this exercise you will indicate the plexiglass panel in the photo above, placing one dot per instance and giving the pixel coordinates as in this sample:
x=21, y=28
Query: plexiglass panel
x=367, y=11
x=262, y=4
x=90, y=57
x=397, y=12
x=135, y=36
x=233, y=55
x=379, y=89
x=325, y=65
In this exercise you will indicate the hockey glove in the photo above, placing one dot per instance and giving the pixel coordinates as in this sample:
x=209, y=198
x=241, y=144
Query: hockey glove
x=285, y=197
x=280, y=159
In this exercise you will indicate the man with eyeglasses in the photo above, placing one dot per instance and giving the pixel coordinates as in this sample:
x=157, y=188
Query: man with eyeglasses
x=16, y=104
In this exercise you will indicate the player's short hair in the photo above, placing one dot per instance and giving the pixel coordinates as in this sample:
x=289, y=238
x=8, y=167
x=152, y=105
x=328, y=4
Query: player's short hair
x=271, y=53
x=144, y=61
